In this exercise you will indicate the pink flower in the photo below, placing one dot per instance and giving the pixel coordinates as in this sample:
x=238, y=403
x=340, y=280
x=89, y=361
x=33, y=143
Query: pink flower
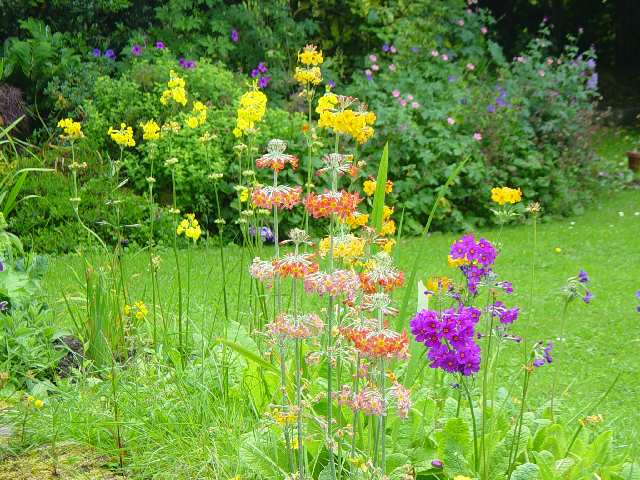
x=392, y=67
x=393, y=49
x=520, y=59
x=445, y=57
x=375, y=67
x=403, y=102
x=558, y=61
x=484, y=30
x=409, y=97
x=471, y=66
x=396, y=93
x=368, y=72
x=477, y=136
x=450, y=121
x=415, y=105
x=434, y=53
x=549, y=61
x=541, y=73
x=373, y=58
x=460, y=23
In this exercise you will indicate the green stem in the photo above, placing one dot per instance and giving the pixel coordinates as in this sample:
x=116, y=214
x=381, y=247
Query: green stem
x=563, y=322
x=473, y=424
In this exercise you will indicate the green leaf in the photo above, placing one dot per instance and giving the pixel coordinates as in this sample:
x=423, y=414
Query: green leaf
x=247, y=354
x=381, y=183
x=526, y=471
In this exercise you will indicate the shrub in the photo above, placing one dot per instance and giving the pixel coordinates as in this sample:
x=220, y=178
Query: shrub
x=534, y=117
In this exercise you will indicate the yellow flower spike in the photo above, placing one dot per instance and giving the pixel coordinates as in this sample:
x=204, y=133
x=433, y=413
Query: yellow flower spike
x=502, y=195
x=310, y=56
x=72, y=130
x=253, y=106
x=244, y=194
x=388, y=245
x=122, y=136
x=127, y=310
x=150, y=130
x=190, y=227
x=388, y=228
x=192, y=122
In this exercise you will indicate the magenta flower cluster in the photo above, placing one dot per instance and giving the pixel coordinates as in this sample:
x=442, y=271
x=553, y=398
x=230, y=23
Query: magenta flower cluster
x=450, y=337
x=478, y=257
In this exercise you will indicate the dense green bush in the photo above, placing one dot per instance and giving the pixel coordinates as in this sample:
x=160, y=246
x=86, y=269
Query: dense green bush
x=447, y=92
x=47, y=224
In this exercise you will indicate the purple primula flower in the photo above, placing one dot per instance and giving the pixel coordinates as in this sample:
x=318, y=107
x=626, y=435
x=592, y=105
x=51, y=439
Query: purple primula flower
x=254, y=73
x=265, y=233
x=136, y=50
x=542, y=354
x=96, y=52
x=592, y=83
x=491, y=108
x=160, y=45
x=373, y=58
x=385, y=47
x=263, y=81
x=187, y=64
x=583, y=277
x=591, y=64
x=451, y=79
x=437, y=463
x=331, y=84
x=449, y=335
x=505, y=315
x=262, y=67
x=415, y=49
x=234, y=36
x=110, y=54
x=506, y=286
x=587, y=297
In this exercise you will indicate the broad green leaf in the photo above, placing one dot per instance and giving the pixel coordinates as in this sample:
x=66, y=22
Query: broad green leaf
x=526, y=471
x=247, y=354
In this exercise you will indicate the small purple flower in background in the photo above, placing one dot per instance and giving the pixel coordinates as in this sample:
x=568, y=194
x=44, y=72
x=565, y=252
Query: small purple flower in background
x=160, y=45
x=587, y=297
x=491, y=108
x=136, y=50
x=583, y=277
x=437, y=463
x=385, y=47
x=542, y=354
x=1, y=266
x=369, y=74
x=265, y=233
x=254, y=73
x=477, y=136
x=638, y=297
x=234, y=36
x=110, y=54
x=415, y=49
x=395, y=93
x=373, y=58
x=592, y=83
x=545, y=19
x=507, y=287
x=504, y=314
x=96, y=52
x=331, y=84
x=451, y=79
x=262, y=67
x=392, y=67
x=484, y=30
x=187, y=64
x=263, y=82
x=4, y=306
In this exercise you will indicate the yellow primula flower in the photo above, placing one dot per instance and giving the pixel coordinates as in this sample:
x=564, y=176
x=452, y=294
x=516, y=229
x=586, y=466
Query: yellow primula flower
x=190, y=227
x=502, y=195
x=347, y=247
x=388, y=245
x=456, y=262
x=369, y=187
x=122, y=136
x=150, y=130
x=308, y=76
x=244, y=194
x=72, y=130
x=38, y=404
x=388, y=228
x=141, y=310
x=176, y=90
x=192, y=122
x=438, y=284
x=310, y=55
x=253, y=106
x=357, y=219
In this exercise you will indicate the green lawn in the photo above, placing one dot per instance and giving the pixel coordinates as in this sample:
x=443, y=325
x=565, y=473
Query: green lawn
x=601, y=339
